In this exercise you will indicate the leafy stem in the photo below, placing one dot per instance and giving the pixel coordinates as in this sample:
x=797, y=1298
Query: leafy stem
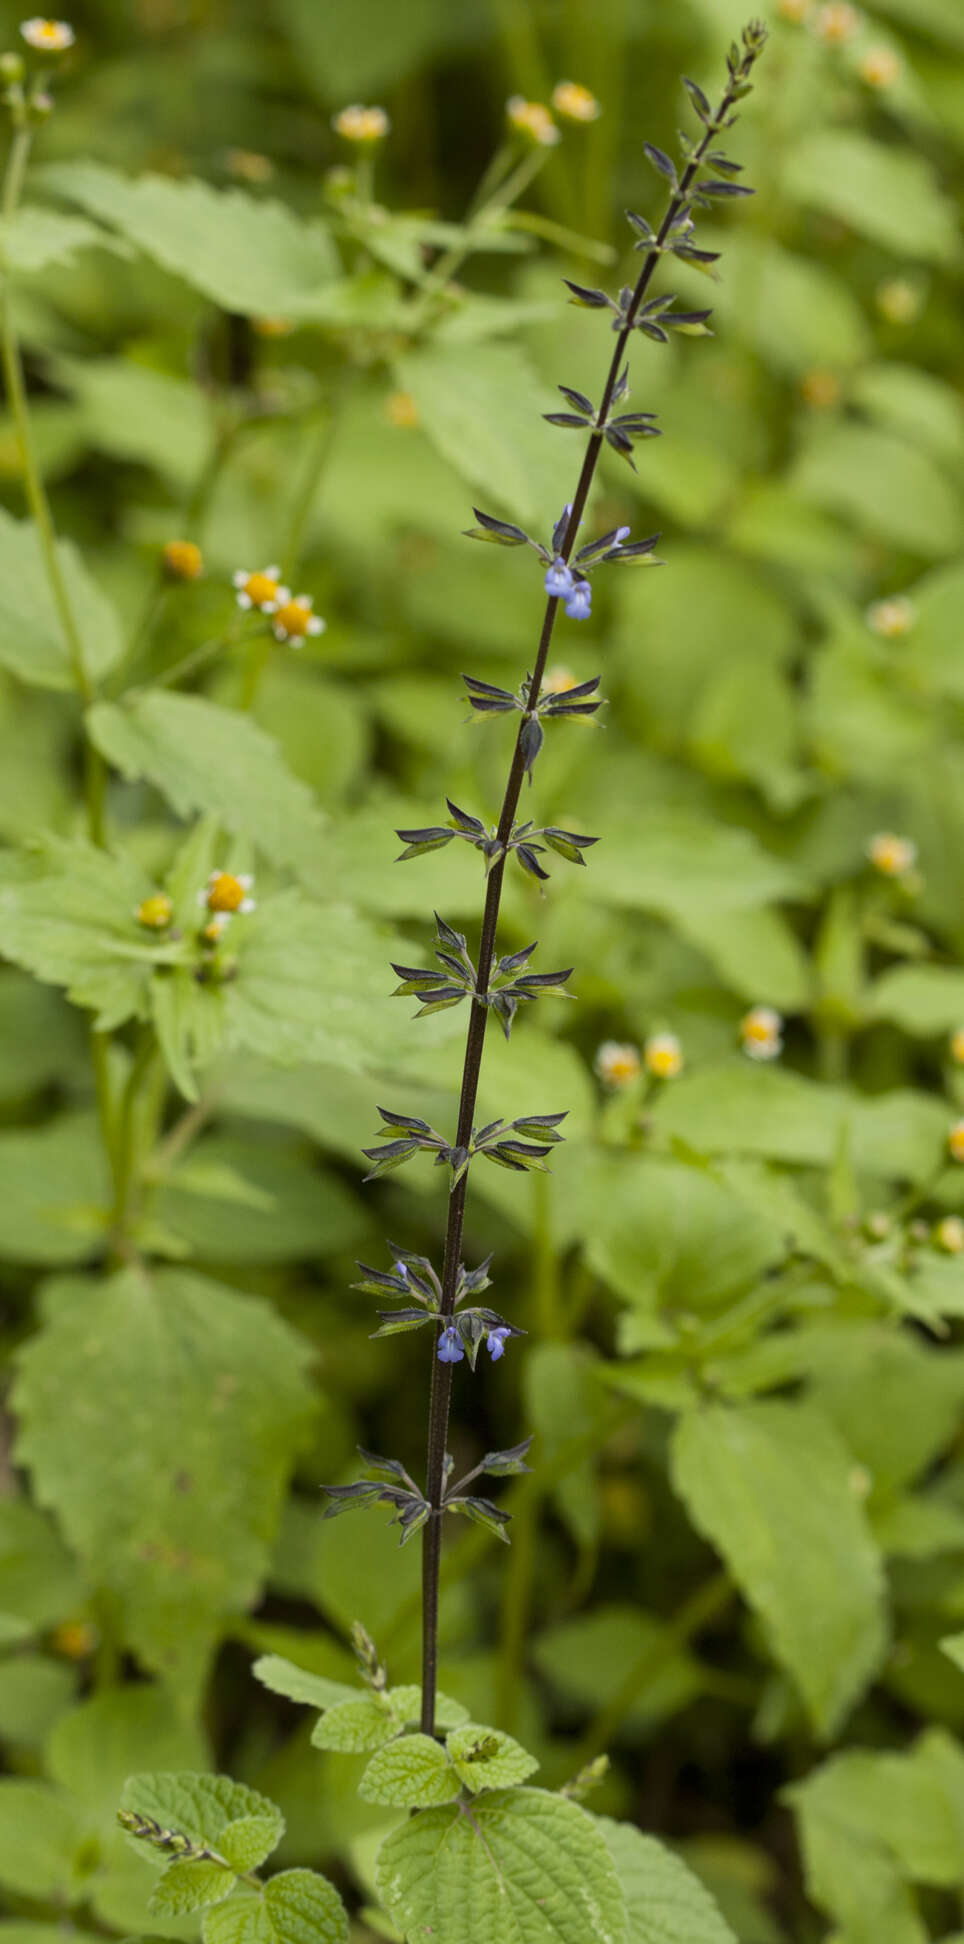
x=441, y=1383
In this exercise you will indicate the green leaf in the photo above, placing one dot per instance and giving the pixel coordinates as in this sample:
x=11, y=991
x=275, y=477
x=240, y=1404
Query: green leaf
x=198, y=1806
x=688, y=860
x=72, y=924
x=133, y=413
x=487, y=1759
x=953, y=1647
x=888, y=194
x=34, y=1692
x=169, y=1497
x=411, y=1773
x=884, y=486
x=524, y=1868
x=595, y=1657
x=283, y=1677
x=41, y=1831
x=353, y=1727
x=769, y=1485
x=190, y=1884
x=476, y=405
x=800, y=313
x=295, y=1907
x=665, y=1902
x=40, y=1578
x=54, y=1208
x=922, y=999
x=97, y=1745
x=206, y=758
x=33, y=238
x=248, y=1840
x=32, y=642
x=246, y=254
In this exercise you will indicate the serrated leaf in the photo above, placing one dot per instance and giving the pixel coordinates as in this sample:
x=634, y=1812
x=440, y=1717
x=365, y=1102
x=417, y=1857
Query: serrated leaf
x=283, y=1677
x=205, y=758
x=197, y=1806
x=487, y=1759
x=190, y=1884
x=354, y=1727
x=770, y=1485
x=411, y=1773
x=72, y=924
x=295, y=1907
x=665, y=1902
x=525, y=1868
x=246, y=254
x=248, y=1840
x=35, y=237
x=32, y=642
x=169, y=1497
x=475, y=403
x=887, y=193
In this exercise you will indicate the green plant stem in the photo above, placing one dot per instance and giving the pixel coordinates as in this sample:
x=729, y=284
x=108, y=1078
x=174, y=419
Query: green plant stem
x=706, y=1604
x=441, y=1382
x=126, y=1142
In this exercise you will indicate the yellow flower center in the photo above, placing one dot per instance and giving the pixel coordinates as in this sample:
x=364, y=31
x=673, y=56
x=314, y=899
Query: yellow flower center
x=949, y=1234
x=880, y=67
x=293, y=617
x=183, y=560
x=891, y=855
x=75, y=1639
x=260, y=588
x=574, y=102
x=761, y=1027
x=957, y=1046
x=225, y=893
x=155, y=912
x=617, y=1066
x=664, y=1056
x=837, y=23
x=533, y=119
x=358, y=124
x=53, y=35
x=890, y=618
x=955, y=1141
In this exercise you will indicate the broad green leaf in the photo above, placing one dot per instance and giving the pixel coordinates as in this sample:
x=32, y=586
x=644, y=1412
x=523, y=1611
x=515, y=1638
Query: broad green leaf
x=487, y=1759
x=41, y=1834
x=752, y=952
x=34, y=1691
x=684, y=860
x=671, y=1237
x=246, y=255
x=563, y=1401
x=72, y=924
x=376, y=46
x=915, y=403
x=190, y=1884
x=100, y=1742
x=895, y=1401
x=769, y=1484
x=355, y=1726
x=793, y=309
x=54, y=1207
x=886, y=487
x=133, y=413
x=295, y=1907
x=411, y=1773
x=41, y=1580
x=665, y=1902
x=888, y=194
x=169, y=1497
x=448, y=1876
x=248, y=1840
x=735, y=1107
x=283, y=1677
x=198, y=1806
x=618, y=1651
x=246, y=1200
x=922, y=999
x=36, y=237
x=32, y=642
x=476, y=405
x=206, y=758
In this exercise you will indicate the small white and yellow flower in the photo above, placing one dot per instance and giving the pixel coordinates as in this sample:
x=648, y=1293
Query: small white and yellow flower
x=358, y=124
x=574, y=102
x=294, y=620
x=182, y=560
x=155, y=913
x=761, y=1033
x=899, y=300
x=617, y=1064
x=47, y=36
x=836, y=23
x=795, y=11
x=891, y=855
x=213, y=932
x=949, y=1234
x=955, y=1140
x=663, y=1056
x=558, y=680
x=891, y=618
x=533, y=120
x=957, y=1046
x=226, y=893
x=261, y=589
x=880, y=67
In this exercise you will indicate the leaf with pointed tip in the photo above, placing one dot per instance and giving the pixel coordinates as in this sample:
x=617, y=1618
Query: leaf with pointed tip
x=411, y=1773
x=298, y=1684
x=295, y=1907
x=487, y=1759
x=588, y=299
x=661, y=161
x=504, y=1464
x=190, y=1884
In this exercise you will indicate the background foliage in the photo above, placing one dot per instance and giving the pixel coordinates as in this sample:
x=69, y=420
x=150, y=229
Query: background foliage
x=742, y=1544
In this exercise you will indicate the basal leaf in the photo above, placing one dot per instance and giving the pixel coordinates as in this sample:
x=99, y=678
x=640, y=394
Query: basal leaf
x=169, y=1497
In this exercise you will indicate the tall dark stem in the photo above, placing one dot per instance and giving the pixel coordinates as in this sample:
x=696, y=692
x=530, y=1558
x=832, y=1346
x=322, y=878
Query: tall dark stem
x=441, y=1391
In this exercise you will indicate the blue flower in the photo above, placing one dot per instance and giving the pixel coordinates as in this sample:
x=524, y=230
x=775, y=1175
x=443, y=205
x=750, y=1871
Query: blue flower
x=450, y=1346
x=558, y=581
x=579, y=604
x=400, y=1269
x=496, y=1342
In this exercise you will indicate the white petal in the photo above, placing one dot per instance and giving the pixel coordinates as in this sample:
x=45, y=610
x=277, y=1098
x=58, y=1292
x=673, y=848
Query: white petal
x=316, y=625
x=244, y=601
x=240, y=577
x=272, y=572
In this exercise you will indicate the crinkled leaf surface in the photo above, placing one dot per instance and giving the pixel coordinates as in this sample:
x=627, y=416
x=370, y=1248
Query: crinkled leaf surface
x=413, y=1772
x=198, y=1806
x=487, y=1759
x=665, y=1902
x=521, y=1867
x=284, y=1677
x=190, y=1884
x=770, y=1485
x=71, y=922
x=32, y=643
x=295, y=1907
x=159, y=1416
x=247, y=255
